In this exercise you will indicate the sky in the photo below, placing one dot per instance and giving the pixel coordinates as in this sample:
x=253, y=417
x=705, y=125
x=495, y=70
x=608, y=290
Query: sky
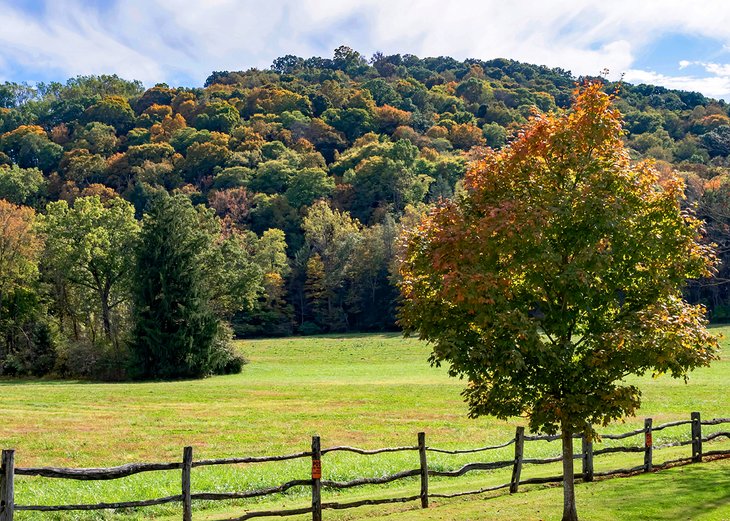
x=682, y=44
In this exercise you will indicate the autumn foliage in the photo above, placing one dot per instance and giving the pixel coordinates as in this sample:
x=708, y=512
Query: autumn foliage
x=378, y=141
x=559, y=272
x=20, y=247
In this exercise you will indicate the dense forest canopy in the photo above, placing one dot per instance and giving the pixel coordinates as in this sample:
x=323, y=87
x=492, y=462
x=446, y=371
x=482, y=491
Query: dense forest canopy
x=304, y=172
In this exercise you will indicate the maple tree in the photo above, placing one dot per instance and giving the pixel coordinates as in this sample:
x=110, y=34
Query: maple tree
x=20, y=247
x=557, y=273
x=20, y=250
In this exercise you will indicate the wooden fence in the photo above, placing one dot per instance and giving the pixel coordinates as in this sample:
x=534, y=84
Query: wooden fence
x=8, y=471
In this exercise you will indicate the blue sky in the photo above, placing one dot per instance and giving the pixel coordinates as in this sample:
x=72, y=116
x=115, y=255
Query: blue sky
x=681, y=44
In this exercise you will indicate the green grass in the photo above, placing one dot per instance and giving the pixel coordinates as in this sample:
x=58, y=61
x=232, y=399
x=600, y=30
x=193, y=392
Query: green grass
x=368, y=391
x=691, y=492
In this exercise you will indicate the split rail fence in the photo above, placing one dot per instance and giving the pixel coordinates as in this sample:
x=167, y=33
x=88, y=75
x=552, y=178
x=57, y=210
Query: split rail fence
x=8, y=471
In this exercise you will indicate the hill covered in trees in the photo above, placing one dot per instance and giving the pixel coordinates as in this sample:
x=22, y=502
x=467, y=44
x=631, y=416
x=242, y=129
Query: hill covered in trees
x=306, y=173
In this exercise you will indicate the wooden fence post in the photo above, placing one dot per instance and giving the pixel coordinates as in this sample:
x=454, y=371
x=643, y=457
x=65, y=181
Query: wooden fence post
x=187, y=465
x=696, y=438
x=316, y=477
x=517, y=468
x=648, y=445
x=424, y=469
x=7, y=486
x=587, y=460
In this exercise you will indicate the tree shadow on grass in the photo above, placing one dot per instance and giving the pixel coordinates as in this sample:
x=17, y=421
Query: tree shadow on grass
x=59, y=382
x=6, y=381
x=687, y=492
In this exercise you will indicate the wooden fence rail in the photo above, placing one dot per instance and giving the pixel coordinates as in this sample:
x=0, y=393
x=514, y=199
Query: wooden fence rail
x=8, y=471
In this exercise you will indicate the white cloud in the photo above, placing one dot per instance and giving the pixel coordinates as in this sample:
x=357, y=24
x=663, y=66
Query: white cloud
x=713, y=86
x=70, y=41
x=169, y=40
x=716, y=85
x=718, y=69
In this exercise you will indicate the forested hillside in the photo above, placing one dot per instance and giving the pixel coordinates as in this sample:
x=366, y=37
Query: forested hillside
x=308, y=171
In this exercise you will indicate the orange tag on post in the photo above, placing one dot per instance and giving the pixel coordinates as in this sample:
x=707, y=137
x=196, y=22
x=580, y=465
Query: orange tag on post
x=316, y=469
x=648, y=439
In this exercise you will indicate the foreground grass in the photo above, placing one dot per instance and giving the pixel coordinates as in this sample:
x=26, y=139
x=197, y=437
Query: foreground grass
x=699, y=493
x=368, y=391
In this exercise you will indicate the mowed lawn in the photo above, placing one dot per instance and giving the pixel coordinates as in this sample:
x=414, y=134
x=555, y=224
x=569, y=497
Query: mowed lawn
x=364, y=390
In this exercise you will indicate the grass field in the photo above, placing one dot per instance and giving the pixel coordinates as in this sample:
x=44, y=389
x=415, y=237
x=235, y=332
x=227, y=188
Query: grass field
x=368, y=391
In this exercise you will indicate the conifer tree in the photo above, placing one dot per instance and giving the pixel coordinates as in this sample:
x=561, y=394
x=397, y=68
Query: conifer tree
x=175, y=324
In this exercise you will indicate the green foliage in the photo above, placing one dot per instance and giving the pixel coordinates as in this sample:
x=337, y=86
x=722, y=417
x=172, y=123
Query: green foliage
x=175, y=326
x=353, y=122
x=27, y=343
x=308, y=185
x=98, y=138
x=331, y=237
x=495, y=135
x=138, y=136
x=232, y=177
x=83, y=167
x=232, y=276
x=183, y=138
x=22, y=185
x=272, y=177
x=187, y=277
x=112, y=110
x=386, y=173
x=102, y=85
x=271, y=315
x=218, y=116
x=30, y=342
x=91, y=246
x=371, y=297
x=29, y=147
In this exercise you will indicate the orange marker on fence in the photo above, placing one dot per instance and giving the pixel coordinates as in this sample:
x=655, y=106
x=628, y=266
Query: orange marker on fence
x=316, y=469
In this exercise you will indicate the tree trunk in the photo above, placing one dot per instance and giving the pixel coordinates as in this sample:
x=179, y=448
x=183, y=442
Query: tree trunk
x=569, y=511
x=106, y=320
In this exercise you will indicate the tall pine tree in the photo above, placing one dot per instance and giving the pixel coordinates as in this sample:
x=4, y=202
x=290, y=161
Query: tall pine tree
x=175, y=326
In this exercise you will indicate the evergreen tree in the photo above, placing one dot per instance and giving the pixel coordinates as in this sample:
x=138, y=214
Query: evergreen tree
x=176, y=326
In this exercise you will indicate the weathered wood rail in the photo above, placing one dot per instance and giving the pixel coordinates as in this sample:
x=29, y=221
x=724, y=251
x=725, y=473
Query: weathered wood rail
x=8, y=471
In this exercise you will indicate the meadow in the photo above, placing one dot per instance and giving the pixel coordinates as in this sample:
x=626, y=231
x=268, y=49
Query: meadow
x=367, y=391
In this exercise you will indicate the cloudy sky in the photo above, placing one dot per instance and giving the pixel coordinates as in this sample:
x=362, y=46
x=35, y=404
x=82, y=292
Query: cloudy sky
x=682, y=44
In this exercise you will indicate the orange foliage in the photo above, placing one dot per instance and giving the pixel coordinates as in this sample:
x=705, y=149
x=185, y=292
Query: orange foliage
x=466, y=136
x=104, y=193
x=20, y=246
x=158, y=111
x=234, y=203
x=60, y=134
x=437, y=132
x=560, y=250
x=164, y=130
x=389, y=118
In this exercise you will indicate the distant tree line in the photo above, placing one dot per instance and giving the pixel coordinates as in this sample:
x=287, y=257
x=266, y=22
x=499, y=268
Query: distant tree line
x=269, y=202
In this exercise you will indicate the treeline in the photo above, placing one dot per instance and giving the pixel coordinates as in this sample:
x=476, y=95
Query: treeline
x=291, y=185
